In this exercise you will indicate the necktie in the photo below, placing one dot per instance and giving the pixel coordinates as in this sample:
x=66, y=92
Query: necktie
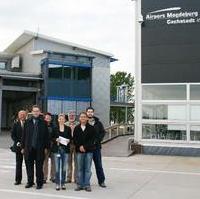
x=35, y=133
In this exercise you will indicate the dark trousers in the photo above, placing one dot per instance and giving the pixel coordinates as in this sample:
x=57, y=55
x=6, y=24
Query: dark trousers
x=98, y=165
x=19, y=162
x=35, y=157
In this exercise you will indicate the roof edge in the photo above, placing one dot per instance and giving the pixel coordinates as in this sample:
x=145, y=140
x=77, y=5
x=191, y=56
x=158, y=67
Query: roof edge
x=55, y=40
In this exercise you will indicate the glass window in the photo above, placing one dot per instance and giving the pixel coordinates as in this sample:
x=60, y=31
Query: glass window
x=12, y=82
x=74, y=81
x=2, y=65
x=195, y=112
x=54, y=106
x=195, y=92
x=55, y=71
x=81, y=106
x=84, y=60
x=69, y=106
x=83, y=73
x=74, y=73
x=195, y=133
x=67, y=72
x=164, y=131
x=164, y=92
x=164, y=112
x=55, y=65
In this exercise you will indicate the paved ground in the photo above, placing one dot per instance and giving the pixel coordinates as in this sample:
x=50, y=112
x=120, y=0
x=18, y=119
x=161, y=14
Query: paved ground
x=112, y=149
x=137, y=177
x=5, y=140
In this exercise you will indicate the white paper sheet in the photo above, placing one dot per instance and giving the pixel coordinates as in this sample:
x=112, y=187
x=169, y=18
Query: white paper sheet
x=63, y=141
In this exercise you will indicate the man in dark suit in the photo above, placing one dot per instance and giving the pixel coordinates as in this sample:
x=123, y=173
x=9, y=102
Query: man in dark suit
x=16, y=134
x=35, y=143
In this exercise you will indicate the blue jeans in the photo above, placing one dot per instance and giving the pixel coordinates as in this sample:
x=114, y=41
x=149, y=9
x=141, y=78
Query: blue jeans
x=98, y=165
x=61, y=165
x=84, y=163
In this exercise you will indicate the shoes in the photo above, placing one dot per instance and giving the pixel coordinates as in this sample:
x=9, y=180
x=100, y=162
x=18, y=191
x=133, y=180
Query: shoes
x=78, y=188
x=103, y=185
x=44, y=181
x=63, y=187
x=57, y=187
x=29, y=185
x=52, y=180
x=88, y=189
x=68, y=181
x=17, y=183
x=39, y=187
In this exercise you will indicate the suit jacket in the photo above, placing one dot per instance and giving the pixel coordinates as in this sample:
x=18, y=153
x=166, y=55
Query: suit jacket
x=86, y=138
x=42, y=138
x=16, y=134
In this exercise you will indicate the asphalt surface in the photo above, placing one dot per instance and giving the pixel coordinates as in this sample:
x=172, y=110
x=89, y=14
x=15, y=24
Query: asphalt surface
x=136, y=177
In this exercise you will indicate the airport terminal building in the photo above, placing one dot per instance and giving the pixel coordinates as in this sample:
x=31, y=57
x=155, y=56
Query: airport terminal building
x=58, y=75
x=168, y=76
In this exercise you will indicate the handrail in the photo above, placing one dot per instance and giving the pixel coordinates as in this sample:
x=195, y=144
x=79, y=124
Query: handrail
x=118, y=130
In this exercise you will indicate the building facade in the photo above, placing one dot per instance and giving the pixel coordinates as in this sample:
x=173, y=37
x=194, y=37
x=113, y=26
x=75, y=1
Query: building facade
x=58, y=75
x=168, y=80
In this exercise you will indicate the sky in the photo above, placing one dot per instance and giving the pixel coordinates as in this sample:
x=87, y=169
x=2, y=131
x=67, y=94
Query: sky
x=106, y=25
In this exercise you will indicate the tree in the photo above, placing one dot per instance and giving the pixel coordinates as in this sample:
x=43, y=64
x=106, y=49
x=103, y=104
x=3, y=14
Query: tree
x=117, y=114
x=118, y=79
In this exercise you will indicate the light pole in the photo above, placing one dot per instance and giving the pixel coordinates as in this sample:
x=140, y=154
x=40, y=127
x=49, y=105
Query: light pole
x=122, y=93
x=138, y=63
x=122, y=96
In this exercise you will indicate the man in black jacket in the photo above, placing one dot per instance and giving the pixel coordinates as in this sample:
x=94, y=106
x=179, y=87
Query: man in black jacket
x=16, y=134
x=100, y=133
x=35, y=143
x=84, y=140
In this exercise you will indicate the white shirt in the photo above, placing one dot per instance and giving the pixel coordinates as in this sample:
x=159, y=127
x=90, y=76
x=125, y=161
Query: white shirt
x=22, y=123
x=34, y=121
x=83, y=127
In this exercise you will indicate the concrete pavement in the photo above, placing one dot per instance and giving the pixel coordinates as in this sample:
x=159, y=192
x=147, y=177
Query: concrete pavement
x=137, y=177
x=117, y=147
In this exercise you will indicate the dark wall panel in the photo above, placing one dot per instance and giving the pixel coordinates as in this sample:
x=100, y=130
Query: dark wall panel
x=170, y=73
x=171, y=52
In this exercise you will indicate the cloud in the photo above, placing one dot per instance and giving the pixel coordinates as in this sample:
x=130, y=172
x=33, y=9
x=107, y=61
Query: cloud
x=103, y=24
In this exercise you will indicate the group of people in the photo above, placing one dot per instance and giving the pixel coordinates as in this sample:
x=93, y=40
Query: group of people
x=71, y=146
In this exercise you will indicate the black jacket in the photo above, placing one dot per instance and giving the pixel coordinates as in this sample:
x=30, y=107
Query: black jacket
x=100, y=131
x=43, y=141
x=85, y=138
x=51, y=128
x=66, y=134
x=16, y=134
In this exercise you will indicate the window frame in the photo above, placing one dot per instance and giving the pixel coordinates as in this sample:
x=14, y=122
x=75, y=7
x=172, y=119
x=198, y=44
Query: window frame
x=5, y=65
x=188, y=102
